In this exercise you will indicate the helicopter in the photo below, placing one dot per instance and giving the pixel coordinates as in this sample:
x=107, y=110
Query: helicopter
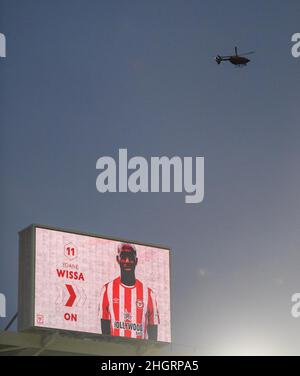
x=237, y=59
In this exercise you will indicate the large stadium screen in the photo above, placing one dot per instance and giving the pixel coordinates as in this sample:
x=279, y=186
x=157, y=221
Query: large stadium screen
x=92, y=284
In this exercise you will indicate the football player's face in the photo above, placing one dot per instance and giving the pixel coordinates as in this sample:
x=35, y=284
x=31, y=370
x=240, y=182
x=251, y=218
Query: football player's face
x=127, y=261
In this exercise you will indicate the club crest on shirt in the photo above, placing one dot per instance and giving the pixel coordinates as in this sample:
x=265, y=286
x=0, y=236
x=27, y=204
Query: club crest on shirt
x=139, y=303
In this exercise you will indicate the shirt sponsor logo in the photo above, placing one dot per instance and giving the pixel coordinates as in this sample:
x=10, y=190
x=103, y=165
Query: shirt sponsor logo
x=128, y=326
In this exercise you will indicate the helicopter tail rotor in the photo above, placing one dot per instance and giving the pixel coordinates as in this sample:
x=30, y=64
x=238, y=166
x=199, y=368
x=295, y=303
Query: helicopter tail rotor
x=218, y=59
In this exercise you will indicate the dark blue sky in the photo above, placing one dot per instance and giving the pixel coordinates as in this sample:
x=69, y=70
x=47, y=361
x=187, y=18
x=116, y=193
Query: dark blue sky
x=83, y=79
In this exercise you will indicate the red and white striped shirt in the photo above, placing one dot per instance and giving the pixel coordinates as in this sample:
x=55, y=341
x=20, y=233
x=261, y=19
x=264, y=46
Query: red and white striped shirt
x=130, y=309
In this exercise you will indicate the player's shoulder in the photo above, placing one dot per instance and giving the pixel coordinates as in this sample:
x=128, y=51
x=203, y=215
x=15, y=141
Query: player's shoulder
x=111, y=282
x=115, y=282
x=145, y=287
x=139, y=283
x=104, y=287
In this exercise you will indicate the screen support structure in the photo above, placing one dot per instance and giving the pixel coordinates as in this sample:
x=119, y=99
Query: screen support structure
x=11, y=321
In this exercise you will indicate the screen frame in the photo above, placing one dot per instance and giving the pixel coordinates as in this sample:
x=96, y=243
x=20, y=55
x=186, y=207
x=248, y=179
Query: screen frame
x=27, y=322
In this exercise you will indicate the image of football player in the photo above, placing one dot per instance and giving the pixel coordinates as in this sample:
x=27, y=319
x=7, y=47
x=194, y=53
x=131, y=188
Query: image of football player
x=128, y=308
